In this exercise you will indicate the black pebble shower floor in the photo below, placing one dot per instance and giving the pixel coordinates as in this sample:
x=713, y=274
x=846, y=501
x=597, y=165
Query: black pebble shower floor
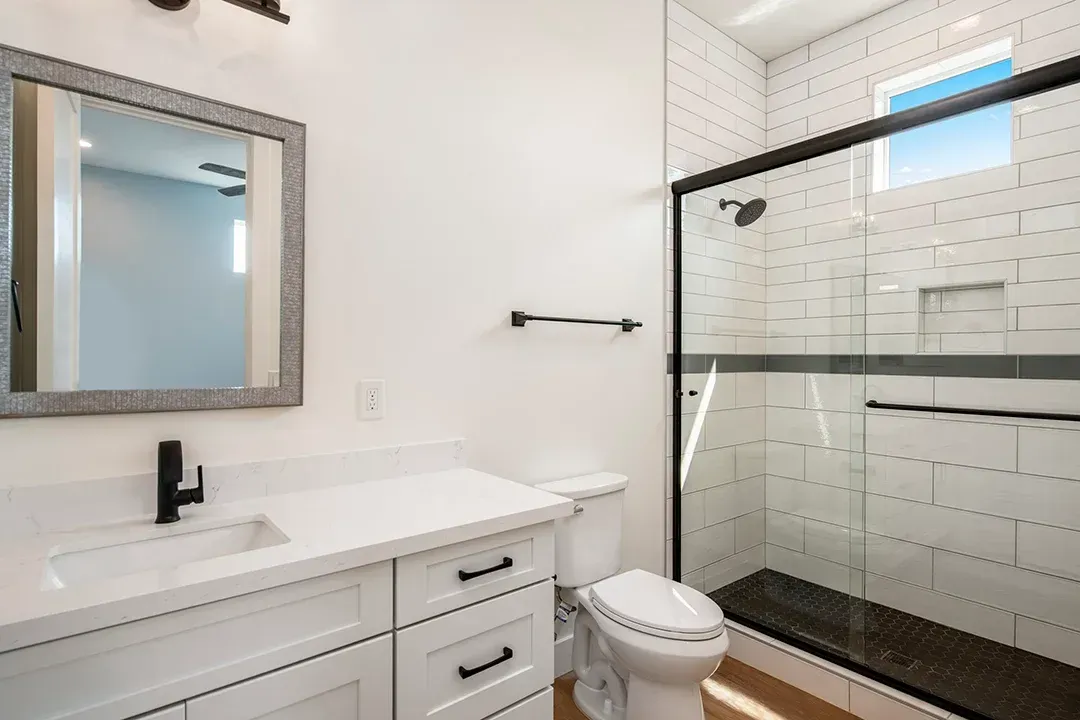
x=983, y=676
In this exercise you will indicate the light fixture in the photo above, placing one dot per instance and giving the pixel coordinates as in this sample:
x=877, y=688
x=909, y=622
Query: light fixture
x=85, y=144
x=171, y=4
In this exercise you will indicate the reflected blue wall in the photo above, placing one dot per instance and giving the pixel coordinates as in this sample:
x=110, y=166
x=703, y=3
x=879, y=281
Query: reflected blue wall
x=160, y=304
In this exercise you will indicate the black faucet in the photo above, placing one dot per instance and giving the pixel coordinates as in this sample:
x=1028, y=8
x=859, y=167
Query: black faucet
x=170, y=472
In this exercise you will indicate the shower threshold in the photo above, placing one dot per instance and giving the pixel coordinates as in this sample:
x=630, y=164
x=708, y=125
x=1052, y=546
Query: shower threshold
x=962, y=672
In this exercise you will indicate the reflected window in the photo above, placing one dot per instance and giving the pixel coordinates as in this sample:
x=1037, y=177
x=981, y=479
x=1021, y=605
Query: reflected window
x=239, y=246
x=967, y=143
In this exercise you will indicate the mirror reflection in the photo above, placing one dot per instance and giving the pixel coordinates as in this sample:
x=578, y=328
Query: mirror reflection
x=146, y=249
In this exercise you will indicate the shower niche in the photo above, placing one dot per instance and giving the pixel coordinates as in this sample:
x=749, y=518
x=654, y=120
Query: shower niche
x=966, y=318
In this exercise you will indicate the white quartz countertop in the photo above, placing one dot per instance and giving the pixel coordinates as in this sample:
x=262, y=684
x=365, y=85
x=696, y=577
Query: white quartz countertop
x=328, y=531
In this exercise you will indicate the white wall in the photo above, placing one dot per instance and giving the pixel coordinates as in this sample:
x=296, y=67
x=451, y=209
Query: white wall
x=464, y=160
x=716, y=115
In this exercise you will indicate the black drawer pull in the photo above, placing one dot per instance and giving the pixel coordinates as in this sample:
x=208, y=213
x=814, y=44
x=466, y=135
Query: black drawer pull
x=466, y=673
x=506, y=563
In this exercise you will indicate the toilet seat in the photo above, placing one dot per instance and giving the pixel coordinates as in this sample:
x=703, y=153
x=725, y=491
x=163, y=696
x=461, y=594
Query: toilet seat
x=657, y=606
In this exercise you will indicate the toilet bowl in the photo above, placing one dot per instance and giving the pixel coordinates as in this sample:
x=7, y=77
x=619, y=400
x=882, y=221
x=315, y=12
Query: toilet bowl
x=642, y=643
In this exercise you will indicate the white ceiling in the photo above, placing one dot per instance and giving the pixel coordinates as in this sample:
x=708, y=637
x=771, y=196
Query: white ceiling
x=771, y=28
x=158, y=148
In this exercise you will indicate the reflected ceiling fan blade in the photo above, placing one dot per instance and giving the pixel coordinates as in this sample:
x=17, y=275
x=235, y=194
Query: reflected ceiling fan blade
x=233, y=191
x=224, y=170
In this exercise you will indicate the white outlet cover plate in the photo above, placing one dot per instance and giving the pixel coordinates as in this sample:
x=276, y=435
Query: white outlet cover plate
x=371, y=390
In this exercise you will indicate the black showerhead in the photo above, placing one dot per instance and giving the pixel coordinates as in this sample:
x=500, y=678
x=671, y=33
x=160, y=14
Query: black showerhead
x=748, y=212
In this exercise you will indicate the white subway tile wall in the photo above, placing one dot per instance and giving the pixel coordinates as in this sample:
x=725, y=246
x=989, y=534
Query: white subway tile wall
x=716, y=114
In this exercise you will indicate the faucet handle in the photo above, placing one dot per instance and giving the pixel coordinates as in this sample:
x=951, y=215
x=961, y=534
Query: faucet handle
x=192, y=496
x=197, y=493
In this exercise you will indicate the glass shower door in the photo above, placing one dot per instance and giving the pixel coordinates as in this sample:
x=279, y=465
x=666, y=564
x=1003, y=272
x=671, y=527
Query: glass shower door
x=772, y=336
x=721, y=313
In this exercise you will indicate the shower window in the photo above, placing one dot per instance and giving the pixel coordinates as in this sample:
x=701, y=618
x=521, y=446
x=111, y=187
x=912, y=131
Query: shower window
x=968, y=143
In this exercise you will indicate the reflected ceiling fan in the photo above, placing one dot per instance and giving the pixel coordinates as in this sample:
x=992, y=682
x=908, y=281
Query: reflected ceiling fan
x=233, y=191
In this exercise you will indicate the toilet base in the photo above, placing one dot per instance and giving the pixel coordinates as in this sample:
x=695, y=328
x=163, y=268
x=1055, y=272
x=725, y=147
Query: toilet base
x=646, y=701
x=649, y=700
x=595, y=704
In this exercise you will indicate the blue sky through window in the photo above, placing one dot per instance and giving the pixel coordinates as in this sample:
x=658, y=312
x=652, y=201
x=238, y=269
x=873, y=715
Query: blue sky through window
x=978, y=140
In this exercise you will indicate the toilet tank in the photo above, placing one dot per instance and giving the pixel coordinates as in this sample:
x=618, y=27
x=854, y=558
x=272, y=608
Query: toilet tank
x=588, y=544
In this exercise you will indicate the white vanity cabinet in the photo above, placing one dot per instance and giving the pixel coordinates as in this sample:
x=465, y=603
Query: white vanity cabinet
x=460, y=632
x=351, y=684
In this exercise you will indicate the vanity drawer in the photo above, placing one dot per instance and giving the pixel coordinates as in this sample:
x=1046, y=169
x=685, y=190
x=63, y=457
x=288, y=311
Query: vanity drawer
x=540, y=706
x=447, y=578
x=126, y=670
x=475, y=662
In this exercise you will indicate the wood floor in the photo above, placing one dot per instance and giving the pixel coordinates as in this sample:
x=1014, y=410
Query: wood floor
x=735, y=692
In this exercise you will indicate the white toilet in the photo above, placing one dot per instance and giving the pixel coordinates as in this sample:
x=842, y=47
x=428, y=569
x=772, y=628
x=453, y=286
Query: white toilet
x=658, y=639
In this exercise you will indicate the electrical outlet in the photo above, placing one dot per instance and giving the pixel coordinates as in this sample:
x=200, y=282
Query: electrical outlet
x=372, y=400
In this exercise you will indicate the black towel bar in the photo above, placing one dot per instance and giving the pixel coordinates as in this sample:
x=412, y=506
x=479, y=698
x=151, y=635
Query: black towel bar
x=519, y=318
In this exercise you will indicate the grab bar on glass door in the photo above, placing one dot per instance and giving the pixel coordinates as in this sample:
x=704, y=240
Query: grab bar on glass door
x=1065, y=417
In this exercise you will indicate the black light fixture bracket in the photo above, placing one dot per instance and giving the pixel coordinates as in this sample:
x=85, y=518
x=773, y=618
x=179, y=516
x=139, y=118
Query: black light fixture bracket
x=267, y=8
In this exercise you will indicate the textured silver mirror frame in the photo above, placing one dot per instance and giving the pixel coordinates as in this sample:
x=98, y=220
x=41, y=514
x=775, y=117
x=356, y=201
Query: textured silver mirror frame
x=290, y=392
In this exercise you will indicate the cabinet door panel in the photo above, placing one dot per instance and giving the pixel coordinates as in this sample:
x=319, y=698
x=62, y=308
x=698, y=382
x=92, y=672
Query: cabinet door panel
x=540, y=706
x=176, y=712
x=351, y=684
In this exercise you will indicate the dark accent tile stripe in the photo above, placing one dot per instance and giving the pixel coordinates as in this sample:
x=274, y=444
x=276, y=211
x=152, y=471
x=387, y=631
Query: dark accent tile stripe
x=719, y=363
x=1050, y=367
x=1031, y=367
x=977, y=366
x=833, y=364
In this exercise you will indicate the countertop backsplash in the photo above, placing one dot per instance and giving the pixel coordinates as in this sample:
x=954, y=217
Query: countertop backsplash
x=65, y=506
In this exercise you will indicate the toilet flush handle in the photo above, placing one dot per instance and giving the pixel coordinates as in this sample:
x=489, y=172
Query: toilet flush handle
x=578, y=509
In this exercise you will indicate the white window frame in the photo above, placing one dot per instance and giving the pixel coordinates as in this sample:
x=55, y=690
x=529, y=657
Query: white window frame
x=886, y=90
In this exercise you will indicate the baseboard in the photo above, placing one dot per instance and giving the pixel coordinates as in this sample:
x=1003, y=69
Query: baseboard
x=837, y=686
x=564, y=650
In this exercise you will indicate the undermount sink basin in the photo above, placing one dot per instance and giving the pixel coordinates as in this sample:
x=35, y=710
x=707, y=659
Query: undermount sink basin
x=157, y=549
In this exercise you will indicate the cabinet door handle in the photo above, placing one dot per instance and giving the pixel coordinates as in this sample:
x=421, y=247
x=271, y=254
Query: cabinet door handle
x=466, y=673
x=465, y=576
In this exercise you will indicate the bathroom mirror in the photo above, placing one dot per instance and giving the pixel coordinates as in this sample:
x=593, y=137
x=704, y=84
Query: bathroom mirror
x=153, y=253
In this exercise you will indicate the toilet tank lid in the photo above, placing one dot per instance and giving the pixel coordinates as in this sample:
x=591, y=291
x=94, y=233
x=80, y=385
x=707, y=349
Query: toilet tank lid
x=586, y=486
